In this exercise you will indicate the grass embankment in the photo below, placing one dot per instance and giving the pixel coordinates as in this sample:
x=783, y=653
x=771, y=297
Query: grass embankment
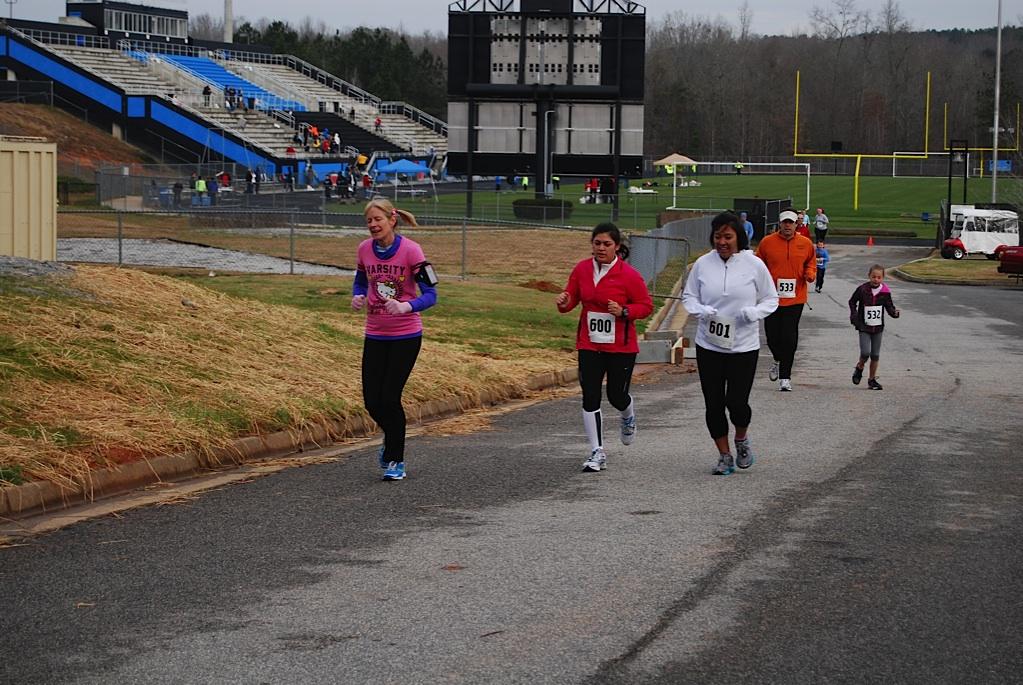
x=884, y=202
x=974, y=269
x=108, y=365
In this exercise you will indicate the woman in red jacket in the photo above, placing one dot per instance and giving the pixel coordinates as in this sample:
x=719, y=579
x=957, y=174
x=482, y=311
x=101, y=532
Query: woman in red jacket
x=613, y=296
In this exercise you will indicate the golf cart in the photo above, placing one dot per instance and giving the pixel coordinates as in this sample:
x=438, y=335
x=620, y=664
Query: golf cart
x=980, y=229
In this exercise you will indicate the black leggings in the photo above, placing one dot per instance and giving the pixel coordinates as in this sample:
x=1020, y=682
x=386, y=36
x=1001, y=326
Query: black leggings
x=782, y=329
x=618, y=368
x=820, y=277
x=726, y=380
x=386, y=366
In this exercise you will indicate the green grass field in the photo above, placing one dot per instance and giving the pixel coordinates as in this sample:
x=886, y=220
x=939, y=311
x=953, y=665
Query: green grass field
x=884, y=202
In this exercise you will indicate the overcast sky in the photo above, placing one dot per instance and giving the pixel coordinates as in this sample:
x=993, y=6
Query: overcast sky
x=769, y=16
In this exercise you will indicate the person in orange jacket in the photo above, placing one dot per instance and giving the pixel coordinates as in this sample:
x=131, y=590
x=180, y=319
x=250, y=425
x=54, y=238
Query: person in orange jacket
x=791, y=259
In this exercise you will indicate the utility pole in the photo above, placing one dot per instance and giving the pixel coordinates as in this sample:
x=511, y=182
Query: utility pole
x=998, y=97
x=10, y=4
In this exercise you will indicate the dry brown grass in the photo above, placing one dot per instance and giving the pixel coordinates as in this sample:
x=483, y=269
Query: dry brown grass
x=503, y=255
x=110, y=366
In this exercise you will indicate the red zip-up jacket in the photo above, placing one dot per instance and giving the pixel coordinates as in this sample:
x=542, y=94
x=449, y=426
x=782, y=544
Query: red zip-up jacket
x=624, y=285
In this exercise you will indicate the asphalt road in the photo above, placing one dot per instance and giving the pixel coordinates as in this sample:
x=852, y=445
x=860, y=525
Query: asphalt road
x=875, y=539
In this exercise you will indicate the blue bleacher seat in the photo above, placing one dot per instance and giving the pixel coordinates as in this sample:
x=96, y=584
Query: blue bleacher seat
x=217, y=75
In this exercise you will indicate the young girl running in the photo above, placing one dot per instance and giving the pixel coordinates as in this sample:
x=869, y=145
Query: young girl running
x=613, y=296
x=389, y=268
x=866, y=312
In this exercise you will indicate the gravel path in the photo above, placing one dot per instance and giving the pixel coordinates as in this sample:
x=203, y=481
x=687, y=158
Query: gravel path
x=138, y=252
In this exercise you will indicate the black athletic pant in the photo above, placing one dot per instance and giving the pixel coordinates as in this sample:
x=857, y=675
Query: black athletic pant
x=820, y=277
x=617, y=366
x=726, y=380
x=386, y=366
x=782, y=329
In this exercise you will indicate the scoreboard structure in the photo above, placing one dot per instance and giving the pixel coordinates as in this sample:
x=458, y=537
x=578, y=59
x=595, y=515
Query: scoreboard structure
x=546, y=88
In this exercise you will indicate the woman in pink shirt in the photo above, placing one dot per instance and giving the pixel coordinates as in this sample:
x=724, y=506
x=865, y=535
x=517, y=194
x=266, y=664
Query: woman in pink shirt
x=390, y=267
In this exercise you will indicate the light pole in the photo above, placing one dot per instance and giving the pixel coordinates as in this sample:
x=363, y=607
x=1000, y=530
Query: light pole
x=548, y=184
x=10, y=3
x=998, y=96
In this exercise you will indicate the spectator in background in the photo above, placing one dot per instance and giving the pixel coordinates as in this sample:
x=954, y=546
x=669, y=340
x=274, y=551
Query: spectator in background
x=351, y=114
x=377, y=125
x=213, y=188
x=200, y=188
x=497, y=183
x=206, y=93
x=178, y=188
x=747, y=226
x=250, y=182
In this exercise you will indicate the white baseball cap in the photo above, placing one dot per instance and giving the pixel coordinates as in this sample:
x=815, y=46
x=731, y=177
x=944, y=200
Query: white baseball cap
x=787, y=215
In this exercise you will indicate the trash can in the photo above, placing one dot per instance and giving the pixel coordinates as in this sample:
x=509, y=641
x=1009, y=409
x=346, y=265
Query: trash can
x=166, y=198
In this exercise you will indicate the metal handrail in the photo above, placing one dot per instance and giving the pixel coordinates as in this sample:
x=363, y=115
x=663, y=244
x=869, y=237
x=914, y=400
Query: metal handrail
x=415, y=114
x=70, y=39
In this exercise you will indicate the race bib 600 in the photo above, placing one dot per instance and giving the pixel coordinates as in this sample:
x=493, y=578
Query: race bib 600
x=601, y=327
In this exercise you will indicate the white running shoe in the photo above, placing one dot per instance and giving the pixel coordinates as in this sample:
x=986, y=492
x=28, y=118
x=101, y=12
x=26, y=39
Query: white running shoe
x=597, y=460
x=772, y=374
x=785, y=385
x=628, y=430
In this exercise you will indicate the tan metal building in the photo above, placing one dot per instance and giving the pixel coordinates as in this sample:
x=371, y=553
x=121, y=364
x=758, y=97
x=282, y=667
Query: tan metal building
x=28, y=198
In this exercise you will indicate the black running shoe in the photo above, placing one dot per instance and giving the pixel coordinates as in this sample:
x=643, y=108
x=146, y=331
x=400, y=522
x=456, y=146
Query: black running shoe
x=857, y=375
x=873, y=384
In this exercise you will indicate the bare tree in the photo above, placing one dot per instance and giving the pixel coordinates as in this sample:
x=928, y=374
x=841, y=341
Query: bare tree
x=206, y=26
x=745, y=21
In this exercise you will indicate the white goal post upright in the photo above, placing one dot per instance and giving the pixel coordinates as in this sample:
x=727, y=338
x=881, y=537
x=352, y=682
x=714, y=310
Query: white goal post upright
x=770, y=168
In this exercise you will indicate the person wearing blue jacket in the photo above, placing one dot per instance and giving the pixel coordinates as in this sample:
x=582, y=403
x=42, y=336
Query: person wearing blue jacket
x=823, y=259
x=730, y=290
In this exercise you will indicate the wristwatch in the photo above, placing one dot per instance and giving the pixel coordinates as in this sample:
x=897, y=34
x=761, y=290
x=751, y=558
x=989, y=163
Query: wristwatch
x=625, y=312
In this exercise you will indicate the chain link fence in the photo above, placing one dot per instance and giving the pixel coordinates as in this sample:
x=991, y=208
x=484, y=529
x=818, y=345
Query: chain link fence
x=662, y=255
x=312, y=243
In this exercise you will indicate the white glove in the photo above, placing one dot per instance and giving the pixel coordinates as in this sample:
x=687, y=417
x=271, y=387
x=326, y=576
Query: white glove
x=749, y=314
x=358, y=301
x=709, y=311
x=397, y=307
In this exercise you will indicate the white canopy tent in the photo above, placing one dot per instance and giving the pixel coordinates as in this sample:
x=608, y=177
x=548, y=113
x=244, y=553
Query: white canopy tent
x=674, y=160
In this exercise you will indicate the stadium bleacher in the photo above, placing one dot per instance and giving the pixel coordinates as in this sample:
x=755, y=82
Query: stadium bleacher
x=216, y=75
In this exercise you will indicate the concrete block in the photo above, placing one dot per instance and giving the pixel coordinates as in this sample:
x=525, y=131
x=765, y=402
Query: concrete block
x=654, y=352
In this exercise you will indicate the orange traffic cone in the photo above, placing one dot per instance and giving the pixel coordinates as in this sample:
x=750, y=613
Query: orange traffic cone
x=870, y=241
